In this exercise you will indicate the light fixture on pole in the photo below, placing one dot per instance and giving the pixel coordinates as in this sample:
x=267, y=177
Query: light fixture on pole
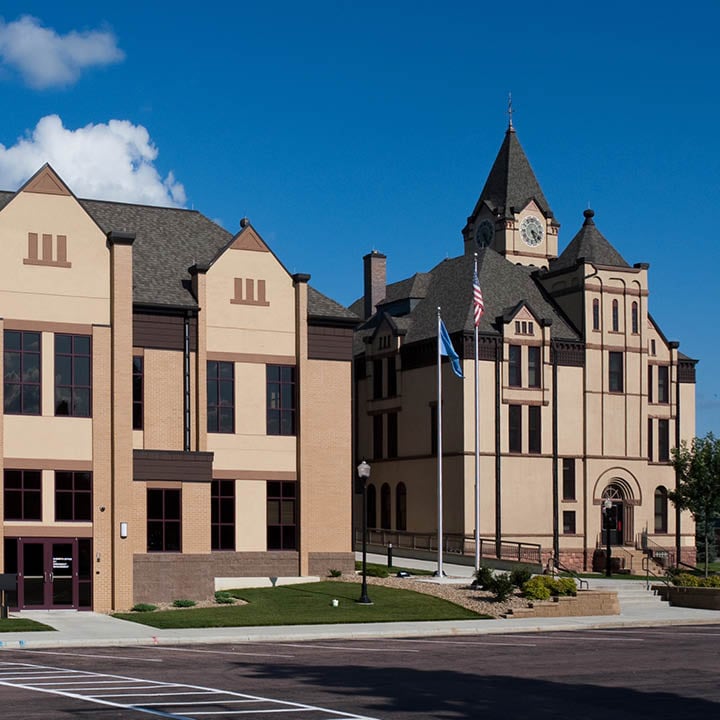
x=608, y=524
x=363, y=471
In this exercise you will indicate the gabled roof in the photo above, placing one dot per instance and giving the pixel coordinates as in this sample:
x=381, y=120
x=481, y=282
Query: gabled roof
x=321, y=306
x=589, y=244
x=511, y=184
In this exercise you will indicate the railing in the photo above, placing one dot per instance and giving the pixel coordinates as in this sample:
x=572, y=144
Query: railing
x=665, y=557
x=454, y=543
x=563, y=569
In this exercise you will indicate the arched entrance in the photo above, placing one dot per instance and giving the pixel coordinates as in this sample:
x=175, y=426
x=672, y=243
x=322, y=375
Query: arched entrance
x=619, y=495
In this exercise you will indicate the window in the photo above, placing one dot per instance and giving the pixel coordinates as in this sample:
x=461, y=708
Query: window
x=651, y=448
x=377, y=437
x=23, y=495
x=22, y=372
x=164, y=520
x=568, y=486
x=515, y=428
x=615, y=316
x=73, y=496
x=569, y=522
x=652, y=347
x=137, y=388
x=377, y=379
x=663, y=440
x=385, y=506
x=534, y=367
x=281, y=515
x=220, y=397
x=534, y=429
x=661, y=510
x=371, y=506
x=392, y=377
x=634, y=319
x=392, y=435
x=222, y=510
x=73, y=375
x=280, y=400
x=650, y=383
x=616, y=372
x=663, y=384
x=596, y=314
x=524, y=327
x=433, y=430
x=401, y=507
x=514, y=366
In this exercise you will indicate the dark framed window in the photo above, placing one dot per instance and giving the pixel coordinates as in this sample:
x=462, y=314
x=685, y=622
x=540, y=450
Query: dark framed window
x=22, y=372
x=222, y=514
x=514, y=365
x=650, y=383
x=663, y=384
x=661, y=510
x=534, y=367
x=392, y=435
x=73, y=375
x=164, y=520
x=569, y=527
x=652, y=348
x=371, y=506
x=73, y=496
x=635, y=322
x=616, y=372
x=651, y=448
x=377, y=379
x=534, y=429
x=401, y=507
x=220, y=397
x=663, y=440
x=138, y=391
x=568, y=486
x=280, y=400
x=515, y=428
x=596, y=314
x=392, y=376
x=281, y=515
x=23, y=494
x=385, y=502
x=615, y=316
x=433, y=430
x=377, y=436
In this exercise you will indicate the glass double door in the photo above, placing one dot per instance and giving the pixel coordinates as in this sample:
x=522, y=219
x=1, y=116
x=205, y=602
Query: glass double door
x=48, y=576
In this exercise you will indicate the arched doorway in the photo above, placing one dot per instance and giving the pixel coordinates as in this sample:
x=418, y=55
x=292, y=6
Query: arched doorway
x=619, y=495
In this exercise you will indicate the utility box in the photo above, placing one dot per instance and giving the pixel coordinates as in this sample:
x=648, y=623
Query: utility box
x=8, y=583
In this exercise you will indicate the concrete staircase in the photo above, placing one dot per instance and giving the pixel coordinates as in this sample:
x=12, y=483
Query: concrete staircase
x=635, y=600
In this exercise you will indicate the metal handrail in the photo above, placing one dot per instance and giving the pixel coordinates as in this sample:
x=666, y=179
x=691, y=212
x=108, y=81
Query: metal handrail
x=562, y=568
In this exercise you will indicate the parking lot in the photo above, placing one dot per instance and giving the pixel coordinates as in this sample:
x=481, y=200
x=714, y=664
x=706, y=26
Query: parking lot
x=669, y=672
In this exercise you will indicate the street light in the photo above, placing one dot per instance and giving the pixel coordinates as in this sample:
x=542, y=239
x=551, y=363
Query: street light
x=607, y=522
x=363, y=471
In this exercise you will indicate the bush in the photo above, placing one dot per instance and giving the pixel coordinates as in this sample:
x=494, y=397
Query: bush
x=184, y=603
x=712, y=582
x=564, y=586
x=223, y=597
x=520, y=576
x=379, y=572
x=335, y=573
x=686, y=580
x=536, y=588
x=143, y=607
x=501, y=586
x=483, y=578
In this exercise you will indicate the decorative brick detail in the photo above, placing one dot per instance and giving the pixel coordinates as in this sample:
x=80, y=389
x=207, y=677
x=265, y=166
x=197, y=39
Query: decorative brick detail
x=48, y=245
x=245, y=292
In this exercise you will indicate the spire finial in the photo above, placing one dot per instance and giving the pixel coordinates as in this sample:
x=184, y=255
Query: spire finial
x=510, y=113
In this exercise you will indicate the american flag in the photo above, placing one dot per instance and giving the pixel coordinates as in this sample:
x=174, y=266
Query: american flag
x=478, y=304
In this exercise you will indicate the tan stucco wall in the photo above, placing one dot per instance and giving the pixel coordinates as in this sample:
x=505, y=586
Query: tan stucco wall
x=251, y=514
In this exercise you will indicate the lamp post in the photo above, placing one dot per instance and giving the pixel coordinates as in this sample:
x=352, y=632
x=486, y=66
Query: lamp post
x=607, y=507
x=363, y=471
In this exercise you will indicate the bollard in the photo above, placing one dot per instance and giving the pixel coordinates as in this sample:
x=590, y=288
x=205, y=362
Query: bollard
x=389, y=555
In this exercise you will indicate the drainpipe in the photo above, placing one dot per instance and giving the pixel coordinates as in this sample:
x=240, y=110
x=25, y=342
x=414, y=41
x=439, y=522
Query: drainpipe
x=674, y=345
x=186, y=373
x=498, y=463
x=555, y=483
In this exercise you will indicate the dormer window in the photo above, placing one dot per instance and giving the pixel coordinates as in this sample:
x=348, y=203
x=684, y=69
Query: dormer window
x=524, y=327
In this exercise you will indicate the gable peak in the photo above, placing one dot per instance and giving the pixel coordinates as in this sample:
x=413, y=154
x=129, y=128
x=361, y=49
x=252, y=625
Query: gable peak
x=46, y=182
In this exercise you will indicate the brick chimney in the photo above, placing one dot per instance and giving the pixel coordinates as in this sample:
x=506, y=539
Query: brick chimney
x=374, y=265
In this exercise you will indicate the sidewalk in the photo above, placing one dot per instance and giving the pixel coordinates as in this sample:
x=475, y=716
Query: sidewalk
x=88, y=629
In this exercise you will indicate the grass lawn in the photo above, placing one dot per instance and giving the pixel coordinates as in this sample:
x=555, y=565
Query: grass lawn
x=309, y=604
x=21, y=625
x=378, y=570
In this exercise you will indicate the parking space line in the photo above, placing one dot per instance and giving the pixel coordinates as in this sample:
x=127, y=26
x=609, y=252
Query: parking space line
x=86, y=655
x=214, y=652
x=357, y=649
x=465, y=642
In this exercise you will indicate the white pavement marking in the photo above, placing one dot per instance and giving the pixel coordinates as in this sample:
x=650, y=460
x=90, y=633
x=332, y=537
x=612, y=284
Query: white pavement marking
x=355, y=648
x=557, y=637
x=23, y=676
x=86, y=655
x=469, y=642
x=213, y=652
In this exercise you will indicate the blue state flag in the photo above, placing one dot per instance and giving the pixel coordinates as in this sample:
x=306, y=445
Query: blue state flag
x=446, y=348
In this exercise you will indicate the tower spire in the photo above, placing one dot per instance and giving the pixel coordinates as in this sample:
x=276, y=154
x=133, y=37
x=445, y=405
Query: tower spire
x=510, y=113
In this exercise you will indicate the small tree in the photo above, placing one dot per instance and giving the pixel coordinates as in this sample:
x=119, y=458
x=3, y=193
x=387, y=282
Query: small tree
x=698, y=483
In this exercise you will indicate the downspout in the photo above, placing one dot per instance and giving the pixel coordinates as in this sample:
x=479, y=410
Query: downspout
x=555, y=483
x=673, y=357
x=498, y=463
x=186, y=379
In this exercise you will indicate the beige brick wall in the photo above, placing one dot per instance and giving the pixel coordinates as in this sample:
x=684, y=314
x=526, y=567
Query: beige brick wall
x=163, y=427
x=196, y=518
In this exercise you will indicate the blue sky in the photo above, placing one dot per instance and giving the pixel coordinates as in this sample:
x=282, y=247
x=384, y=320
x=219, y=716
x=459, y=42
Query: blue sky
x=339, y=127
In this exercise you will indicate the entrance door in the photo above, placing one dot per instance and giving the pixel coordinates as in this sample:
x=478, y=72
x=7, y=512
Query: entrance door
x=616, y=535
x=48, y=576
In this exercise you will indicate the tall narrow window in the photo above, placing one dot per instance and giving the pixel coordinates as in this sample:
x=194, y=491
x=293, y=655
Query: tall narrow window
x=377, y=437
x=371, y=506
x=392, y=435
x=164, y=520
x=652, y=348
x=534, y=367
x=391, y=376
x=634, y=319
x=569, y=479
x=222, y=515
x=663, y=384
x=281, y=515
x=663, y=440
x=73, y=496
x=377, y=379
x=615, y=371
x=23, y=495
x=534, y=429
x=515, y=428
x=569, y=527
x=615, y=316
x=401, y=507
x=73, y=375
x=21, y=370
x=385, y=500
x=137, y=385
x=281, y=400
x=514, y=365
x=220, y=397
x=661, y=510
x=651, y=443
x=596, y=314
x=650, y=383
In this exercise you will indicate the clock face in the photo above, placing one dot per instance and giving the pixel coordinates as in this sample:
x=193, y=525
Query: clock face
x=531, y=230
x=484, y=233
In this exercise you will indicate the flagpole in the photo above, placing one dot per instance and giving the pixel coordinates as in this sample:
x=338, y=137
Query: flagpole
x=477, y=443
x=439, y=454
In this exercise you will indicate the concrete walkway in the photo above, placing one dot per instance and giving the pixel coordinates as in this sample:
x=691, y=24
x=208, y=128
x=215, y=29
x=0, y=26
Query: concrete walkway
x=639, y=608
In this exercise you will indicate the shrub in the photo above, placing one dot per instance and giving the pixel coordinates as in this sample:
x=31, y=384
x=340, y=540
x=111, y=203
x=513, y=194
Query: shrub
x=686, y=580
x=563, y=586
x=379, y=572
x=335, y=573
x=712, y=582
x=537, y=588
x=520, y=576
x=184, y=603
x=223, y=597
x=483, y=578
x=501, y=586
x=143, y=607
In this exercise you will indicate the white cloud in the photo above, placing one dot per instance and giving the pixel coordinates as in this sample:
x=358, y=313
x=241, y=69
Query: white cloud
x=46, y=59
x=113, y=161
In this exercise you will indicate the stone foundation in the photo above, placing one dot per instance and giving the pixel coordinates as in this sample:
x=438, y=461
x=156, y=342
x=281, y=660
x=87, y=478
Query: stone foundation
x=587, y=602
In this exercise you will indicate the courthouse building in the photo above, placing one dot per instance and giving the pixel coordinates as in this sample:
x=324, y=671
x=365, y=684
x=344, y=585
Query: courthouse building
x=177, y=406
x=582, y=396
